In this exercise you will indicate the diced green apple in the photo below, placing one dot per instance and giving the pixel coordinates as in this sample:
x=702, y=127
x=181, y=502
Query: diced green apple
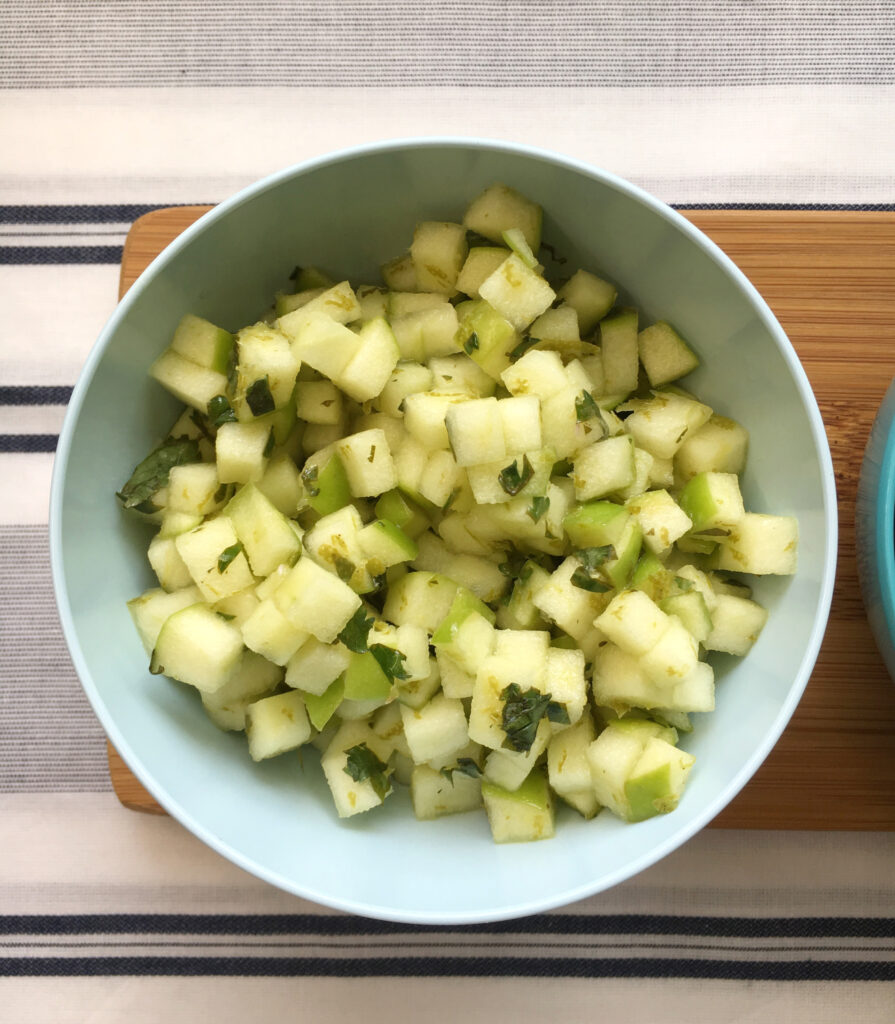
x=523, y=815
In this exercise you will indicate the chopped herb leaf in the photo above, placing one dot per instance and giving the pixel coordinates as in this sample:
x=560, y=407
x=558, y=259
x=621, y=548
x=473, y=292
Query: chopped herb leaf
x=201, y=423
x=227, y=556
x=363, y=764
x=309, y=478
x=354, y=635
x=471, y=344
x=372, y=454
x=682, y=583
x=551, y=252
x=220, y=411
x=562, y=468
x=465, y=766
x=390, y=661
x=221, y=493
x=586, y=576
x=515, y=565
x=523, y=347
x=268, y=445
x=557, y=713
x=582, y=579
x=585, y=407
x=512, y=480
x=258, y=397
x=344, y=568
x=476, y=241
x=452, y=497
x=152, y=473
x=232, y=369
x=593, y=558
x=538, y=507
x=521, y=715
x=379, y=583
x=226, y=617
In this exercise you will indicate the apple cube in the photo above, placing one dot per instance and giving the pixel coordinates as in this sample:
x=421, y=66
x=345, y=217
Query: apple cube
x=435, y=731
x=736, y=625
x=368, y=463
x=604, y=467
x=475, y=430
x=276, y=724
x=760, y=544
x=434, y=796
x=634, y=622
x=523, y=815
x=656, y=782
x=316, y=600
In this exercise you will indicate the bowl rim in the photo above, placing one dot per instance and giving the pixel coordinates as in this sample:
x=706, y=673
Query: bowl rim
x=561, y=897
x=884, y=528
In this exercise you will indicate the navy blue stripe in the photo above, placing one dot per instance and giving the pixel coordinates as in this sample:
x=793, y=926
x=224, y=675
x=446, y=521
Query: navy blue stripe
x=819, y=207
x=34, y=394
x=123, y=213
x=82, y=213
x=441, y=967
x=28, y=444
x=538, y=924
x=43, y=255
x=31, y=255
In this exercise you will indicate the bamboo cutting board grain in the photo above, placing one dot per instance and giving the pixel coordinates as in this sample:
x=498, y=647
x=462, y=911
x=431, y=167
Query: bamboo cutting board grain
x=830, y=279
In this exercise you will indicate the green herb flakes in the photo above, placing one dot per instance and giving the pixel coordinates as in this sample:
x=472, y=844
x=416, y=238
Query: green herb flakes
x=363, y=764
x=220, y=411
x=523, y=347
x=355, y=634
x=585, y=407
x=151, y=475
x=227, y=556
x=471, y=344
x=390, y=661
x=258, y=397
x=538, y=507
x=309, y=478
x=521, y=715
x=512, y=479
x=582, y=579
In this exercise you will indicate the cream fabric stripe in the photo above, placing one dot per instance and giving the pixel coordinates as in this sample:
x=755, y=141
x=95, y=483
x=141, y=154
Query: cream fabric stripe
x=764, y=144
x=436, y=1001
x=33, y=419
x=51, y=317
x=24, y=492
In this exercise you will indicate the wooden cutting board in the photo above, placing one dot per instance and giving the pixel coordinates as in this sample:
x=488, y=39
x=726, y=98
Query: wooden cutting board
x=830, y=279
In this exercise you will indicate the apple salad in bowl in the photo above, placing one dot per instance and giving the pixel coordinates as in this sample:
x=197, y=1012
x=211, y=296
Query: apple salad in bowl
x=464, y=531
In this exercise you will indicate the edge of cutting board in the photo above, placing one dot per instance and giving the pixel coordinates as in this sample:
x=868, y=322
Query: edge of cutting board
x=829, y=276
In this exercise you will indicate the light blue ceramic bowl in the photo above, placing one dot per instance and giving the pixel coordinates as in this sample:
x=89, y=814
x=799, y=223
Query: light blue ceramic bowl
x=350, y=211
x=875, y=529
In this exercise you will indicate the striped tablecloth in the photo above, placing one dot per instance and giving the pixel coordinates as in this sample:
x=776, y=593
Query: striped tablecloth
x=108, y=110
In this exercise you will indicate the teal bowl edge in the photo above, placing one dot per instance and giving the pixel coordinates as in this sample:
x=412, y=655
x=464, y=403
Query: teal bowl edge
x=830, y=515
x=875, y=529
